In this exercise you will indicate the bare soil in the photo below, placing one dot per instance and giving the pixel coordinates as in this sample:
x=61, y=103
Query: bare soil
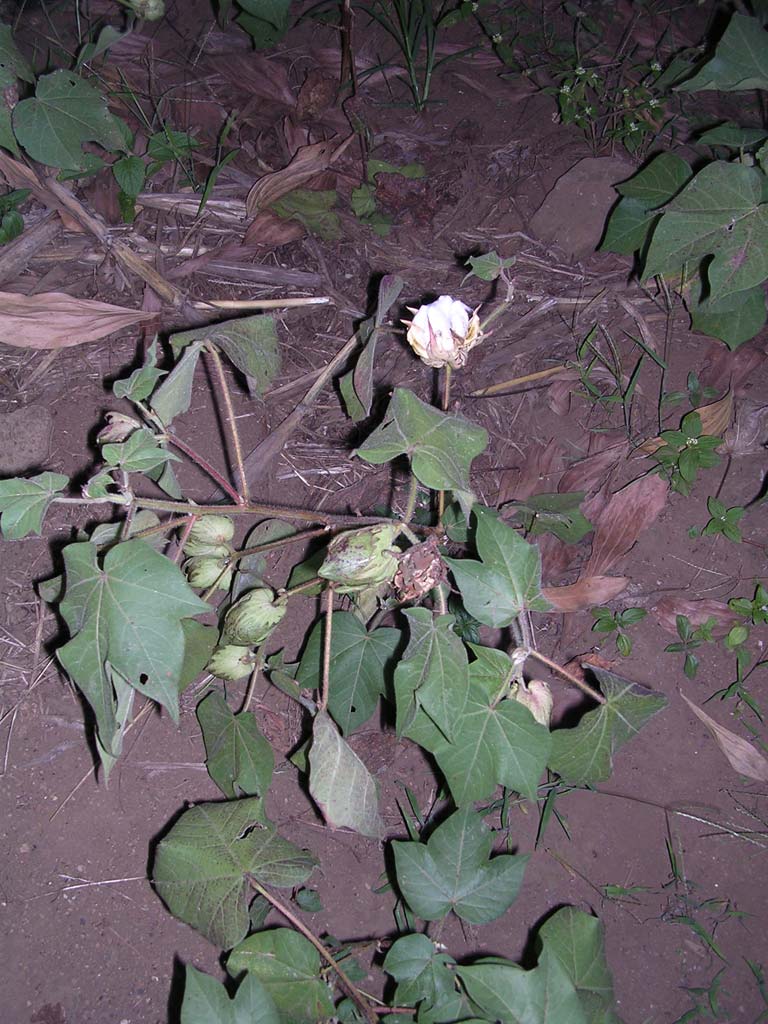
x=85, y=938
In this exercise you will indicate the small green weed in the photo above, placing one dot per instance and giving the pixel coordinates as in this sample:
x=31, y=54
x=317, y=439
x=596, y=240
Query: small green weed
x=724, y=521
x=690, y=639
x=607, y=621
x=686, y=451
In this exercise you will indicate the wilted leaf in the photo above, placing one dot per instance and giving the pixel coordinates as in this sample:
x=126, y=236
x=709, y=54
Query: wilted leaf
x=339, y=782
x=201, y=866
x=508, y=579
x=357, y=385
x=24, y=502
x=716, y=417
x=55, y=320
x=741, y=755
x=584, y=754
x=441, y=446
x=629, y=512
x=359, y=663
x=288, y=967
x=249, y=342
x=585, y=593
x=238, y=758
x=65, y=112
x=268, y=231
x=307, y=162
x=697, y=613
x=174, y=396
x=454, y=871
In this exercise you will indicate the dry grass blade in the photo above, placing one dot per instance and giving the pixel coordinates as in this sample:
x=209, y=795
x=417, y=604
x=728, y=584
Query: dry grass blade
x=628, y=513
x=697, y=613
x=740, y=754
x=585, y=593
x=308, y=162
x=55, y=320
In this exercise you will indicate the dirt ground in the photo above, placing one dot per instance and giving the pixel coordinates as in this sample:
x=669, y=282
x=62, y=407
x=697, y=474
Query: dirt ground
x=85, y=938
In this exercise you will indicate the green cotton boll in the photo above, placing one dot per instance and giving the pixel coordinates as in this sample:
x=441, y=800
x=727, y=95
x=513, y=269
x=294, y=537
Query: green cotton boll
x=149, y=10
x=252, y=617
x=204, y=571
x=358, y=559
x=207, y=550
x=231, y=662
x=211, y=530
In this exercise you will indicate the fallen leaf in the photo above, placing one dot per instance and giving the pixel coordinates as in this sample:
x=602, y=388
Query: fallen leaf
x=591, y=472
x=736, y=367
x=747, y=434
x=307, y=162
x=316, y=94
x=559, y=397
x=697, y=613
x=542, y=466
x=576, y=665
x=585, y=593
x=556, y=555
x=56, y=320
x=716, y=417
x=628, y=513
x=268, y=231
x=740, y=754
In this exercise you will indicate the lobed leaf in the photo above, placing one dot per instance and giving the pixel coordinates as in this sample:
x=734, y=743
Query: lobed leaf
x=239, y=760
x=24, y=502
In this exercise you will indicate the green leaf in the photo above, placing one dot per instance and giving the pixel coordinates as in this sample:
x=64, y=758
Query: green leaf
x=433, y=673
x=740, y=60
x=126, y=616
x=174, y=396
x=584, y=754
x=661, y=178
x=142, y=381
x=11, y=226
x=558, y=514
x=441, y=446
x=7, y=138
x=13, y=63
x=629, y=225
x=199, y=642
x=23, y=503
x=288, y=967
x=138, y=454
x=360, y=662
x=495, y=742
x=201, y=866
x=108, y=36
x=250, y=343
x=421, y=972
x=510, y=995
x=412, y=170
x=508, y=579
x=735, y=319
x=488, y=265
x=168, y=145
x=452, y=871
x=312, y=209
x=576, y=940
x=238, y=758
x=733, y=136
x=719, y=212
x=339, y=782
x=265, y=21
x=129, y=174
x=206, y=1001
x=357, y=385
x=65, y=112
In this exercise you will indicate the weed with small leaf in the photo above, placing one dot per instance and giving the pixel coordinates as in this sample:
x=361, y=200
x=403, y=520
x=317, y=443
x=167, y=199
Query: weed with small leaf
x=607, y=621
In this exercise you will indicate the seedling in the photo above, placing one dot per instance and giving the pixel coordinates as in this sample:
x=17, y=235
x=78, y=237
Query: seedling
x=607, y=621
x=694, y=393
x=724, y=520
x=690, y=639
x=685, y=451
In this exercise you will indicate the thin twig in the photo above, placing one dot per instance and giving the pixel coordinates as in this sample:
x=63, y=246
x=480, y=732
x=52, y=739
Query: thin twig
x=251, y=685
x=204, y=464
x=213, y=353
x=352, y=991
x=553, y=665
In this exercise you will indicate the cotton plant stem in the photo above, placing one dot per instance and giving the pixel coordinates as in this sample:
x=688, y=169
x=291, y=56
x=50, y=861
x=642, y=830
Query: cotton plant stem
x=446, y=398
x=352, y=991
x=323, y=702
x=263, y=509
x=232, y=421
x=410, y=503
x=273, y=545
x=205, y=465
x=248, y=696
x=189, y=523
x=553, y=665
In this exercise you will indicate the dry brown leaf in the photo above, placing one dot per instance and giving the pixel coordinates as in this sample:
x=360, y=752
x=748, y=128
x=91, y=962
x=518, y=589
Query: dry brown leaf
x=316, y=94
x=576, y=665
x=308, y=161
x=628, y=513
x=697, y=612
x=735, y=367
x=539, y=474
x=585, y=593
x=716, y=417
x=740, y=754
x=559, y=397
x=556, y=555
x=267, y=230
x=56, y=320
x=747, y=433
x=589, y=473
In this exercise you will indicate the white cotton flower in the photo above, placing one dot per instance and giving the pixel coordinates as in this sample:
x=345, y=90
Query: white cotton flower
x=443, y=332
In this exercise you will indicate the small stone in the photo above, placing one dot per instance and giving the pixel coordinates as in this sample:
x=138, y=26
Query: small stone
x=25, y=440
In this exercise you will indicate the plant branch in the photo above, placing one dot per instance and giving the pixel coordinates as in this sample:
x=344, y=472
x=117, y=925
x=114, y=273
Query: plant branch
x=244, y=497
x=354, y=993
x=272, y=545
x=257, y=667
x=553, y=665
x=323, y=702
x=410, y=504
x=205, y=465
